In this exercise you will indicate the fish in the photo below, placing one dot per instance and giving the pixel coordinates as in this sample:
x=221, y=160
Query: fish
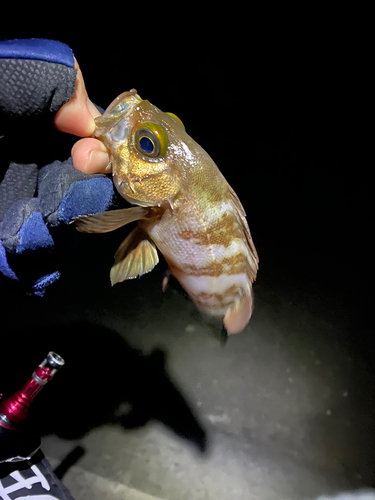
x=184, y=207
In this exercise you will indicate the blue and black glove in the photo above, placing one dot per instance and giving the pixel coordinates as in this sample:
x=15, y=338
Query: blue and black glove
x=36, y=78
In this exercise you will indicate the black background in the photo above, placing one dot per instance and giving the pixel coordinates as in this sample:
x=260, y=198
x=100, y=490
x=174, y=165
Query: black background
x=280, y=102
x=277, y=99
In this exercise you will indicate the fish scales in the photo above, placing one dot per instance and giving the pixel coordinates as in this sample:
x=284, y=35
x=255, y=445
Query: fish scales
x=190, y=213
x=203, y=237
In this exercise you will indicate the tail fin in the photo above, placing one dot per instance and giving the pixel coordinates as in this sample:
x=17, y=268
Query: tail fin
x=238, y=315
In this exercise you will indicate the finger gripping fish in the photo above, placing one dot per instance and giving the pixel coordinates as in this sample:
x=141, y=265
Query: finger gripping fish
x=184, y=207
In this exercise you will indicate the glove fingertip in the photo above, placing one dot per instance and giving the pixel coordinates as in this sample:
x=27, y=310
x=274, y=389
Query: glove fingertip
x=39, y=287
x=86, y=197
x=40, y=49
x=34, y=234
x=5, y=268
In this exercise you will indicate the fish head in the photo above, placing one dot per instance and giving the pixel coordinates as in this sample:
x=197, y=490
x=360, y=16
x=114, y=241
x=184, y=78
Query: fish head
x=149, y=150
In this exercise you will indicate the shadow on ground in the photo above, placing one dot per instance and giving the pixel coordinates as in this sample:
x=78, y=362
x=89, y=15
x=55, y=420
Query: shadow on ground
x=103, y=381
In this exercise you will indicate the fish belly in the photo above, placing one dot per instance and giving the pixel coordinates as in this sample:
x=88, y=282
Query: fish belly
x=213, y=295
x=208, y=255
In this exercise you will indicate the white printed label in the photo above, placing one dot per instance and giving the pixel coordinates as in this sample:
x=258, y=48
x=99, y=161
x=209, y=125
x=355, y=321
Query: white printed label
x=21, y=483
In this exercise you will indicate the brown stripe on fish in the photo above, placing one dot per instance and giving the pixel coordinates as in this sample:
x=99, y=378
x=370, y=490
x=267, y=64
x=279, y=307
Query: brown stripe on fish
x=234, y=264
x=224, y=289
x=217, y=300
x=217, y=232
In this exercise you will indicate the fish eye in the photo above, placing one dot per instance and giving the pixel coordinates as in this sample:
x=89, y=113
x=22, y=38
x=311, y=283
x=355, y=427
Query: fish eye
x=178, y=120
x=150, y=139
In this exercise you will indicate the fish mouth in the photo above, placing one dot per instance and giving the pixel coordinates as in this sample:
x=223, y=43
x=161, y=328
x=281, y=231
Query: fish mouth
x=123, y=103
x=125, y=184
x=117, y=111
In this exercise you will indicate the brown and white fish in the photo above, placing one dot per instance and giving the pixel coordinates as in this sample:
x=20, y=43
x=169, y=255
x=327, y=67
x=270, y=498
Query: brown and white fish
x=184, y=207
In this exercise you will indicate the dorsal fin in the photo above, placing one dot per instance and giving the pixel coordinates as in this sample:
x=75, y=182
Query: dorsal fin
x=253, y=263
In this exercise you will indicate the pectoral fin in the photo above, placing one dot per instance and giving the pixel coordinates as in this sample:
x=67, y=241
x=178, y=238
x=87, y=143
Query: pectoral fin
x=105, y=222
x=135, y=256
x=238, y=315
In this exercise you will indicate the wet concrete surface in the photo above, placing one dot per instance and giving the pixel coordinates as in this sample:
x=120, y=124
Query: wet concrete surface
x=161, y=407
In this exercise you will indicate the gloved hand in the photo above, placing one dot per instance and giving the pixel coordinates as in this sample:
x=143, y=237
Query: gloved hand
x=37, y=77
